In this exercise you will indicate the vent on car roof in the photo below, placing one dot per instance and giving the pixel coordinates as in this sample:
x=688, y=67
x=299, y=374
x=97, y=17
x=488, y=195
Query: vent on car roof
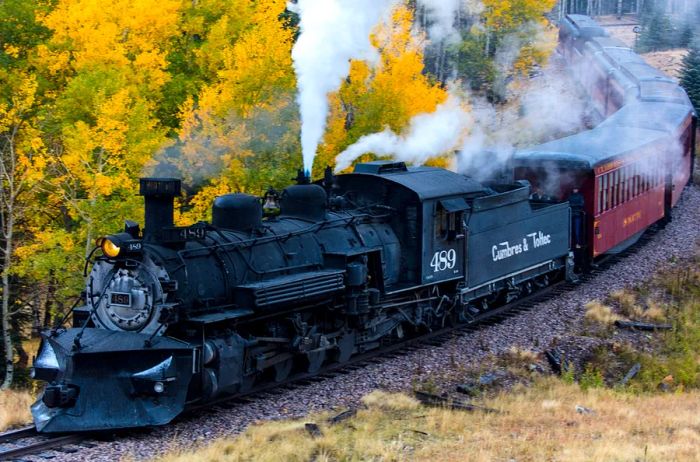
x=381, y=167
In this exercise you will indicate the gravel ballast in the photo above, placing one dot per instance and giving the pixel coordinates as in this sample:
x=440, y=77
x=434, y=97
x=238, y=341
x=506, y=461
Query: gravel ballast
x=533, y=330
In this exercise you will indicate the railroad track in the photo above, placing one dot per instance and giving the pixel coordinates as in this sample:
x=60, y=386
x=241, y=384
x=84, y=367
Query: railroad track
x=11, y=447
x=16, y=444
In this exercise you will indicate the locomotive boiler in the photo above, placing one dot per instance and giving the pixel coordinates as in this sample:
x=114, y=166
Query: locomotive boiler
x=176, y=316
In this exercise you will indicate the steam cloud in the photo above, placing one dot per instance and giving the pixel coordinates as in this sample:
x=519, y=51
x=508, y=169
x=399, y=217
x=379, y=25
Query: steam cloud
x=428, y=135
x=442, y=15
x=333, y=32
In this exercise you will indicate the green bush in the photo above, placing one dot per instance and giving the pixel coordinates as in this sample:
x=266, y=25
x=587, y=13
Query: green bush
x=591, y=377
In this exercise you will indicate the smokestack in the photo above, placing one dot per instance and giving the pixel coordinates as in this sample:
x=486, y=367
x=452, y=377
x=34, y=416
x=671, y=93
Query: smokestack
x=159, y=194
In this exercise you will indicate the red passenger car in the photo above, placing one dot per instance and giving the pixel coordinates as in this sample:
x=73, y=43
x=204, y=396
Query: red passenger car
x=631, y=168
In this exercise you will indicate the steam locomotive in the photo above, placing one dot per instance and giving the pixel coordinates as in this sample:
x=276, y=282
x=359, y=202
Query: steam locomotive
x=178, y=316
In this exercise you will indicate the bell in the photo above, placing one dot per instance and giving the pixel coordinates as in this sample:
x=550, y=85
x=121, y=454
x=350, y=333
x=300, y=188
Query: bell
x=271, y=199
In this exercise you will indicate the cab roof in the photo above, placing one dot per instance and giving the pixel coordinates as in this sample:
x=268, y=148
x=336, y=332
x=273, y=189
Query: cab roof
x=426, y=182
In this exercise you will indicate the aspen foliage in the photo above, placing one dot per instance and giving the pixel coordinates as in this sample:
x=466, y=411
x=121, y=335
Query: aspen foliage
x=241, y=131
x=22, y=161
x=120, y=34
x=387, y=94
x=522, y=19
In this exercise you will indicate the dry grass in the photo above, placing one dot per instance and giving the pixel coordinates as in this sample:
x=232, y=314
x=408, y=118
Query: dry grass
x=536, y=424
x=597, y=313
x=654, y=312
x=629, y=307
x=627, y=303
x=521, y=356
x=517, y=361
x=14, y=408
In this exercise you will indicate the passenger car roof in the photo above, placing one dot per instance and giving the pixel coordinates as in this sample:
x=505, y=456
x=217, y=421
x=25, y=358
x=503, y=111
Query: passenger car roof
x=587, y=149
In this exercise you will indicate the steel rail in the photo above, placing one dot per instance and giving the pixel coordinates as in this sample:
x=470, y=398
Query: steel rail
x=35, y=447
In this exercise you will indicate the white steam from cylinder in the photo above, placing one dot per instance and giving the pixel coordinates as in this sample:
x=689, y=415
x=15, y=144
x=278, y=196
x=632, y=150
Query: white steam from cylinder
x=428, y=135
x=332, y=32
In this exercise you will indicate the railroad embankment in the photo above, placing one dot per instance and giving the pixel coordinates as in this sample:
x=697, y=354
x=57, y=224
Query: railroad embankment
x=624, y=385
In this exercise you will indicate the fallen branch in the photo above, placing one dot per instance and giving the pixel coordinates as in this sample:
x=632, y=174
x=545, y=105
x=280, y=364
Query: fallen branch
x=468, y=389
x=428, y=399
x=642, y=325
x=342, y=416
x=631, y=373
x=554, y=358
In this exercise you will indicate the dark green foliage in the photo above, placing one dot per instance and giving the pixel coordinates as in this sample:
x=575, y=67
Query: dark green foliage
x=19, y=27
x=187, y=79
x=657, y=33
x=690, y=73
x=19, y=30
x=661, y=31
x=474, y=65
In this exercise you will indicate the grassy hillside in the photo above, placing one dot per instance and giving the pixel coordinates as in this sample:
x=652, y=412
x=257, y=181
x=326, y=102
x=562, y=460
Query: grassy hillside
x=533, y=424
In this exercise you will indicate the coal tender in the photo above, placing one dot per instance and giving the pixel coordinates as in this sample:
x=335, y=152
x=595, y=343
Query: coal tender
x=177, y=316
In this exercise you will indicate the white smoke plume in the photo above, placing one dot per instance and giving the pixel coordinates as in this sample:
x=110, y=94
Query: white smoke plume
x=441, y=15
x=333, y=32
x=428, y=135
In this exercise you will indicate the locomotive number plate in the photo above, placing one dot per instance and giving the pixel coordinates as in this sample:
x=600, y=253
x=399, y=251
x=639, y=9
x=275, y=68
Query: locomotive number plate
x=120, y=299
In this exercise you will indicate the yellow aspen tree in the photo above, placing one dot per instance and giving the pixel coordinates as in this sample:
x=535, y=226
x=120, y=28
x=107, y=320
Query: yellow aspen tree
x=22, y=160
x=526, y=20
x=243, y=125
x=101, y=162
x=108, y=61
x=120, y=34
x=386, y=95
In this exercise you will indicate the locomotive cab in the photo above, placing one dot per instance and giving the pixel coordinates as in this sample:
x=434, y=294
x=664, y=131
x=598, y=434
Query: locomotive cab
x=430, y=207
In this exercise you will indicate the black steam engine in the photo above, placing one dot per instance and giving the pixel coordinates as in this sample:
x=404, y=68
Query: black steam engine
x=179, y=315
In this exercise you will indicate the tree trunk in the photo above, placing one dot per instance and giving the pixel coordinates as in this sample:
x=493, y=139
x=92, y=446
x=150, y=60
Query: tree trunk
x=488, y=43
x=50, y=300
x=88, y=240
x=6, y=334
x=36, y=310
x=22, y=356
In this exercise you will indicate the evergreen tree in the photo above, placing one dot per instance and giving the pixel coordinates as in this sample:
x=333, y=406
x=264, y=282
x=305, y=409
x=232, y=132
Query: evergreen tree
x=657, y=32
x=690, y=73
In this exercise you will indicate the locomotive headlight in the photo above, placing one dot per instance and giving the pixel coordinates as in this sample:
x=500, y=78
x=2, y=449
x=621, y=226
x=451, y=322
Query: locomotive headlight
x=120, y=244
x=109, y=248
x=158, y=387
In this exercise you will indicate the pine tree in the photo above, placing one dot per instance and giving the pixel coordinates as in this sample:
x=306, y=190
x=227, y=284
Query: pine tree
x=690, y=73
x=656, y=34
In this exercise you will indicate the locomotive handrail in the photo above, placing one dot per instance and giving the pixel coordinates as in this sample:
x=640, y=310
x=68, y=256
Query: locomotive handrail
x=76, y=339
x=252, y=242
x=313, y=227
